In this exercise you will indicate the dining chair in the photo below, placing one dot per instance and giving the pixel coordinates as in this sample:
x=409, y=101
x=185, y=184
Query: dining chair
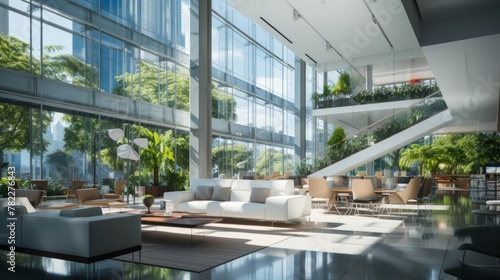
x=363, y=195
x=321, y=194
x=409, y=192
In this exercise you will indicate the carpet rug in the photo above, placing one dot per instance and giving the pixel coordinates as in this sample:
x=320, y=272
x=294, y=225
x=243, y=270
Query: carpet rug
x=210, y=246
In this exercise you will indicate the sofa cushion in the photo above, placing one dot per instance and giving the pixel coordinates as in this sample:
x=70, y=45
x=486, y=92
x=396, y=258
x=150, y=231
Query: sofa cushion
x=203, y=192
x=15, y=209
x=221, y=193
x=199, y=206
x=259, y=195
x=242, y=209
x=81, y=212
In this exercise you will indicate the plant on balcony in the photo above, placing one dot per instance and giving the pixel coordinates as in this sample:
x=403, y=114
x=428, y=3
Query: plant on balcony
x=343, y=86
x=322, y=100
x=384, y=94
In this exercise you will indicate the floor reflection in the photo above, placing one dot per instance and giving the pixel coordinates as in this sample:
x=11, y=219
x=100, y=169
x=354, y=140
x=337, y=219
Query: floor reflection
x=416, y=249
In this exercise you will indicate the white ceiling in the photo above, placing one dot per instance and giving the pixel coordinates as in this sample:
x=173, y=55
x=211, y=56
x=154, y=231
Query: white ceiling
x=455, y=41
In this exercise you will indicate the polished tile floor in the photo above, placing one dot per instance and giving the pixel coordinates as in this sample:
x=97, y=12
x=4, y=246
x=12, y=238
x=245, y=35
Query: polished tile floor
x=416, y=249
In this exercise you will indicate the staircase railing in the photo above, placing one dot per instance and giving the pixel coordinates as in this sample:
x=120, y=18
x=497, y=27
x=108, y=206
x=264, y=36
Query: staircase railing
x=374, y=133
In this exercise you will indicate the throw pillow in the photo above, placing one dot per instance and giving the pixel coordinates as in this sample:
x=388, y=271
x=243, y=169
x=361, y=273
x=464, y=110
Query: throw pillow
x=259, y=195
x=221, y=193
x=203, y=192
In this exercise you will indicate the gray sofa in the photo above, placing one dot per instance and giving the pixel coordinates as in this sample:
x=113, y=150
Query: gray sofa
x=82, y=234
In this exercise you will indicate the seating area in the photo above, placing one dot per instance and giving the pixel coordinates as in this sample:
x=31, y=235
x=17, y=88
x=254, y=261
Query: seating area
x=81, y=235
x=420, y=229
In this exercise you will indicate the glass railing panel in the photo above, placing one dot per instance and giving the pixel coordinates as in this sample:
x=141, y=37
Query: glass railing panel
x=374, y=133
x=383, y=94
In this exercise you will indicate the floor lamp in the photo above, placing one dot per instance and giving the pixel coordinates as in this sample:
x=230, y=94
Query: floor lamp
x=126, y=151
x=114, y=133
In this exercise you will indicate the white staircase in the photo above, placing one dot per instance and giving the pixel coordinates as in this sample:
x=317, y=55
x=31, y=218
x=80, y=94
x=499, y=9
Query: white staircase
x=388, y=145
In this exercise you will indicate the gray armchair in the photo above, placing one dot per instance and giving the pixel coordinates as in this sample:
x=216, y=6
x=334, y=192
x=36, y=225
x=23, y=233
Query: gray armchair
x=34, y=196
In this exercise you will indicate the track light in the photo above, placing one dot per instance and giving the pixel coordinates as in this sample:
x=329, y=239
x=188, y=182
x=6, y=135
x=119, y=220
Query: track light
x=329, y=47
x=374, y=19
x=296, y=16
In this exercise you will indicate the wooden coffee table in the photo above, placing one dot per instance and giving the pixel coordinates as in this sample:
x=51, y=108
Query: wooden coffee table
x=179, y=219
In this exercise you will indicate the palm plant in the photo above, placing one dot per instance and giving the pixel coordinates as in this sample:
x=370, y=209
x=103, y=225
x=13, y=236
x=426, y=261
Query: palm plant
x=156, y=154
x=427, y=156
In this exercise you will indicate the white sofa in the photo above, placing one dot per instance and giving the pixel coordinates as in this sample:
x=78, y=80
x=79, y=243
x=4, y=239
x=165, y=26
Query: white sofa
x=81, y=234
x=280, y=205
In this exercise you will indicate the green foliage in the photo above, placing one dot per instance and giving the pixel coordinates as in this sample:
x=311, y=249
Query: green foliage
x=148, y=196
x=165, y=87
x=55, y=187
x=156, y=154
x=303, y=168
x=16, y=125
x=225, y=158
x=180, y=144
x=223, y=106
x=385, y=94
x=15, y=55
x=134, y=180
x=337, y=136
x=343, y=85
x=427, y=156
x=272, y=160
x=338, y=147
x=4, y=187
x=176, y=180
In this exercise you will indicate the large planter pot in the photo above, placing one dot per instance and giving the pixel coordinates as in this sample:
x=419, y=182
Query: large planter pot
x=156, y=191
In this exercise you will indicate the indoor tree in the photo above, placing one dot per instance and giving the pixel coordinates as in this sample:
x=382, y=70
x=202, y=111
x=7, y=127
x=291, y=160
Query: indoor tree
x=427, y=156
x=157, y=152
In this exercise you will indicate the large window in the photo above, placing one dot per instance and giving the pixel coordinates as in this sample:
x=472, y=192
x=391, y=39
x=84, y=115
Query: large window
x=125, y=64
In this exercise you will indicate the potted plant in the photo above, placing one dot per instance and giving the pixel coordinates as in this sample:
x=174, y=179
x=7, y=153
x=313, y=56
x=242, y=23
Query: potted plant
x=156, y=154
x=315, y=97
x=175, y=179
x=148, y=201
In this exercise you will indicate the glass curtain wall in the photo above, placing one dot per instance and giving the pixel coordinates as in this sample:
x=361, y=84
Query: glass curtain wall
x=254, y=74
x=127, y=66
x=110, y=70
